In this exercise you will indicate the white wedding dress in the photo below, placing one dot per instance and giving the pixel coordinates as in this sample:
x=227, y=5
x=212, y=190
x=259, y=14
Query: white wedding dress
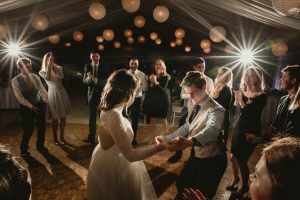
x=111, y=175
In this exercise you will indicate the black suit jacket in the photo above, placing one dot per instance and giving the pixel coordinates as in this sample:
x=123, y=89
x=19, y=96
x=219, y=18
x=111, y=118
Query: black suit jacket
x=95, y=89
x=281, y=115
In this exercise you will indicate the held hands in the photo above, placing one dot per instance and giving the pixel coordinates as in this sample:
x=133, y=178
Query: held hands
x=153, y=79
x=90, y=76
x=177, y=144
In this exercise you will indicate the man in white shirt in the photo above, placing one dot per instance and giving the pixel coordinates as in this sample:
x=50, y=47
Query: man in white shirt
x=135, y=108
x=33, y=100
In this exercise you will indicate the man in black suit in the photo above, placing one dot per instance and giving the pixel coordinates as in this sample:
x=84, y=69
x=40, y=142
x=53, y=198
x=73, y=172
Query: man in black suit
x=289, y=82
x=94, y=77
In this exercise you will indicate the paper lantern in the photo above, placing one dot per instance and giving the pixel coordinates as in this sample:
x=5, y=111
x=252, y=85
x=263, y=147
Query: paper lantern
x=187, y=49
x=153, y=36
x=77, y=36
x=141, y=39
x=128, y=32
x=172, y=44
x=161, y=14
x=204, y=44
x=158, y=41
x=99, y=39
x=208, y=50
x=117, y=44
x=131, y=5
x=217, y=34
x=97, y=11
x=101, y=47
x=3, y=31
x=40, y=22
x=178, y=42
x=68, y=44
x=54, y=39
x=229, y=49
x=130, y=40
x=287, y=7
x=279, y=48
x=139, y=21
x=108, y=34
x=179, y=33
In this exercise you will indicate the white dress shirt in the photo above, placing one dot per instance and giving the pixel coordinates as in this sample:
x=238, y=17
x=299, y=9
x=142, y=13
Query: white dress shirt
x=143, y=80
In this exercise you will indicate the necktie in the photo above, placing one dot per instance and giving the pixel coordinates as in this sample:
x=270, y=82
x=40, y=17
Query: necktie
x=194, y=113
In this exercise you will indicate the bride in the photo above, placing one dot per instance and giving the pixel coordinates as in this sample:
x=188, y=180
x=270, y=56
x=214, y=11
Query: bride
x=117, y=170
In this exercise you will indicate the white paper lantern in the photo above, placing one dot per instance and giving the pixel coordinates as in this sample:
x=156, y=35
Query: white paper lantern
x=279, y=48
x=208, y=50
x=130, y=40
x=172, y=44
x=158, y=41
x=99, y=39
x=101, y=47
x=3, y=31
x=205, y=43
x=161, y=14
x=40, y=22
x=68, y=44
x=139, y=21
x=179, y=33
x=128, y=32
x=287, y=7
x=141, y=39
x=54, y=39
x=77, y=36
x=229, y=49
x=108, y=34
x=178, y=42
x=153, y=36
x=217, y=34
x=117, y=44
x=187, y=49
x=97, y=11
x=131, y=5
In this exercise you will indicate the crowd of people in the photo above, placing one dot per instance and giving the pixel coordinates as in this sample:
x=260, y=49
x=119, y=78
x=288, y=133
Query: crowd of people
x=116, y=169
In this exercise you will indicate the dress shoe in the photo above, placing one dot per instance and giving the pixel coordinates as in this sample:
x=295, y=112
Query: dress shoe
x=42, y=149
x=175, y=157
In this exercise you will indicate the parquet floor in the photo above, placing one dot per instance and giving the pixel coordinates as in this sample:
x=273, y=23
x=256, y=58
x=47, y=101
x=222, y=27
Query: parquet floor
x=61, y=173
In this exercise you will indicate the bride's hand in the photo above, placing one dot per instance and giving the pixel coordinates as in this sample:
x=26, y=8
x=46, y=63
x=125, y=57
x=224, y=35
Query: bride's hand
x=161, y=141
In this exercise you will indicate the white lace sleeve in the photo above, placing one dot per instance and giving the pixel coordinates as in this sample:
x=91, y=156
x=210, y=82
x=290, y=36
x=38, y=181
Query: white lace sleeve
x=118, y=132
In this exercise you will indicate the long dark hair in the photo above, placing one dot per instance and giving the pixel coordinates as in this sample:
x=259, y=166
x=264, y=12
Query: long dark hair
x=120, y=87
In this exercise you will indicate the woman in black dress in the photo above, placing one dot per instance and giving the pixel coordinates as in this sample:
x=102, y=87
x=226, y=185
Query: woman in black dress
x=251, y=100
x=222, y=93
x=157, y=99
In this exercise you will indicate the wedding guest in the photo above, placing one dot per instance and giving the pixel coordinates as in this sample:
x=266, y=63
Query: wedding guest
x=15, y=182
x=117, y=170
x=222, y=93
x=136, y=107
x=33, y=100
x=94, y=77
x=276, y=174
x=157, y=98
x=201, y=131
x=251, y=99
x=59, y=102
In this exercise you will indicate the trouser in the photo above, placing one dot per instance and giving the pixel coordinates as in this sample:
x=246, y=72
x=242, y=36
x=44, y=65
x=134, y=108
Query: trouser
x=93, y=114
x=203, y=174
x=135, y=111
x=27, y=120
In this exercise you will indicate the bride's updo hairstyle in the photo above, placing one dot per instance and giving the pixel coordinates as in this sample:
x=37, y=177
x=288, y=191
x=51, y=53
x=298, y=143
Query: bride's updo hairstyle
x=120, y=88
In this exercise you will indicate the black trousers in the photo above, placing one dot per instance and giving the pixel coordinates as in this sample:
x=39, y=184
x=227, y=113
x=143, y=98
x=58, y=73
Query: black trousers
x=93, y=115
x=27, y=119
x=203, y=174
x=135, y=111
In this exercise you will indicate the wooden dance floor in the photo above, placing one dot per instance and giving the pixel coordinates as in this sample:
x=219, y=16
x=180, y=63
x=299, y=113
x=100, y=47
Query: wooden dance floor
x=61, y=173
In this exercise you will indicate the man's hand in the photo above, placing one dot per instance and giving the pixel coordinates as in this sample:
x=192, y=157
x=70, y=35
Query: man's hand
x=180, y=143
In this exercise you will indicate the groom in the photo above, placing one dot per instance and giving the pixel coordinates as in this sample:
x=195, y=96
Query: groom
x=94, y=77
x=201, y=132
